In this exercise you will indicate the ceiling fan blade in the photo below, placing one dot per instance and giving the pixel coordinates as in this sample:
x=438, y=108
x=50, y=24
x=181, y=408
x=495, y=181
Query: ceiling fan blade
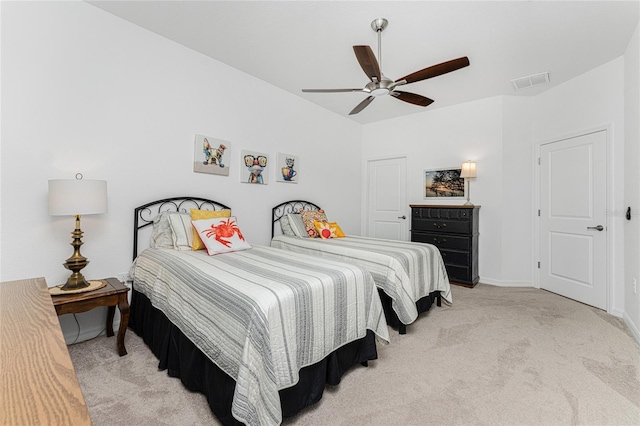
x=412, y=98
x=362, y=105
x=368, y=62
x=436, y=70
x=330, y=90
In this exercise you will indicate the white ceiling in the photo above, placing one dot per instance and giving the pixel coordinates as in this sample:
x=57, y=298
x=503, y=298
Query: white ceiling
x=308, y=44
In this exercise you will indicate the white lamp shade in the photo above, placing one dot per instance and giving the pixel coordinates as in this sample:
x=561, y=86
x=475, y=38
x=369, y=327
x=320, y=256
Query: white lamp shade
x=69, y=197
x=468, y=169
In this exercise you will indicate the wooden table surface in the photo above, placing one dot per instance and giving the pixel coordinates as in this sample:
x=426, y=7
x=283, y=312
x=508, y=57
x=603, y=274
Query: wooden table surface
x=38, y=385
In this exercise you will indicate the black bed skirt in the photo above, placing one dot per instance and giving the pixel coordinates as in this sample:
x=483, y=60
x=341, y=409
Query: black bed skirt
x=183, y=359
x=422, y=305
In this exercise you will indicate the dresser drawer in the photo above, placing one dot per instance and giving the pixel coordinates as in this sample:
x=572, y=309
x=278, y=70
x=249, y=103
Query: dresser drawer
x=444, y=214
x=442, y=241
x=453, y=257
x=441, y=226
x=458, y=273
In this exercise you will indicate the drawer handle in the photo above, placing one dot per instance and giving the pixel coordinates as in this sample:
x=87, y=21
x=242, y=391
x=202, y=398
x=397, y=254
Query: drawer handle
x=444, y=225
x=437, y=241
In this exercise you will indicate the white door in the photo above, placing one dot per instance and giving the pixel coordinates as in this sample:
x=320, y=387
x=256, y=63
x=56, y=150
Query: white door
x=387, y=208
x=573, y=248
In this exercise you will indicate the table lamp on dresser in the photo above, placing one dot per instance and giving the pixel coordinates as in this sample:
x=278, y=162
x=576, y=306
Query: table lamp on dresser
x=468, y=171
x=77, y=197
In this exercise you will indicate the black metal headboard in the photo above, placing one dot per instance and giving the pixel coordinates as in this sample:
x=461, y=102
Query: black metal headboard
x=144, y=215
x=293, y=206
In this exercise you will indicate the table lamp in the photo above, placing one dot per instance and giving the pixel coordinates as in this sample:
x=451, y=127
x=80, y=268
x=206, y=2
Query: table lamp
x=77, y=197
x=468, y=171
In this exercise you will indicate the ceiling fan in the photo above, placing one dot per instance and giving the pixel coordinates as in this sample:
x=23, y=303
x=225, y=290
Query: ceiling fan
x=381, y=85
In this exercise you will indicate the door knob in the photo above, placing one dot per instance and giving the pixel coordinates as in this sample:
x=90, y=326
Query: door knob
x=597, y=228
x=402, y=217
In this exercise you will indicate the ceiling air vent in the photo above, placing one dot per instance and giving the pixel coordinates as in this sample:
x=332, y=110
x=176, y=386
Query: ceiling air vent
x=530, y=81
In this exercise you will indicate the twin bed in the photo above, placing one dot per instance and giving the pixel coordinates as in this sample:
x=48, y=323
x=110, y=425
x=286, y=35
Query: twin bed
x=259, y=331
x=409, y=276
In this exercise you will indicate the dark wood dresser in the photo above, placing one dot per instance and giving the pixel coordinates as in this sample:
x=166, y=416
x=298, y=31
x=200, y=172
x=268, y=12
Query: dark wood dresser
x=454, y=230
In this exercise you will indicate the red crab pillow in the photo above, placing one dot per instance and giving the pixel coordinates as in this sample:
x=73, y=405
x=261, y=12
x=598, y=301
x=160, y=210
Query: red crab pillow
x=220, y=235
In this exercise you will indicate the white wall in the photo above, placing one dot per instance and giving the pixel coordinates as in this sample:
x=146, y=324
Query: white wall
x=502, y=134
x=84, y=91
x=517, y=255
x=632, y=181
x=593, y=100
x=447, y=137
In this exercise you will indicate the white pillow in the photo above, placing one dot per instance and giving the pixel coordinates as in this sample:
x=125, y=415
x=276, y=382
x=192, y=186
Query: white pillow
x=221, y=235
x=286, y=226
x=161, y=236
x=181, y=230
x=297, y=225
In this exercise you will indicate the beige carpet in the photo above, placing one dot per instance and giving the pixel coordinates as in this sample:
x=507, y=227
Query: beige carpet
x=498, y=356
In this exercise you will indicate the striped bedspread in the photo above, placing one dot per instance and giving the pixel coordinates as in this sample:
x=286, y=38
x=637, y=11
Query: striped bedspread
x=261, y=314
x=405, y=271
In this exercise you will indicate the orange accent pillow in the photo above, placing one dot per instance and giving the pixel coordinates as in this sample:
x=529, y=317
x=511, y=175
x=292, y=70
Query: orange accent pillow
x=205, y=214
x=328, y=230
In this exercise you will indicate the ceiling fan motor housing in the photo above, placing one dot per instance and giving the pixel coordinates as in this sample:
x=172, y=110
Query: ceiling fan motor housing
x=380, y=88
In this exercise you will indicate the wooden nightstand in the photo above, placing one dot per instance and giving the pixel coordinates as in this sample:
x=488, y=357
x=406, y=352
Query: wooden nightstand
x=111, y=295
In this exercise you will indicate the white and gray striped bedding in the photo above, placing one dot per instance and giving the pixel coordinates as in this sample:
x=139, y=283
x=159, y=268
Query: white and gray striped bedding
x=261, y=314
x=405, y=271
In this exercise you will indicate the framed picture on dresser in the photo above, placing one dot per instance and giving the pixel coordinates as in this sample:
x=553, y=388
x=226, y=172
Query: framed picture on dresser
x=443, y=183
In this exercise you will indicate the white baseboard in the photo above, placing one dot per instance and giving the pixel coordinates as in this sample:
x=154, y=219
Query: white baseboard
x=88, y=333
x=617, y=313
x=632, y=327
x=505, y=283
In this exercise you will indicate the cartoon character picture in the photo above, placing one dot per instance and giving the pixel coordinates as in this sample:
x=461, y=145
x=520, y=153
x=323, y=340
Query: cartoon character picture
x=286, y=164
x=256, y=167
x=210, y=155
x=287, y=171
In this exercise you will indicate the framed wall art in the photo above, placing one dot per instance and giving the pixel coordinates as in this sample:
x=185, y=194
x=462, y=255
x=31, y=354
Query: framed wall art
x=210, y=155
x=254, y=167
x=287, y=168
x=443, y=183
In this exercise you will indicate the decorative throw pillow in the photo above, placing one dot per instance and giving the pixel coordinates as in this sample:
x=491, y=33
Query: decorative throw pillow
x=286, y=226
x=310, y=216
x=328, y=230
x=161, y=236
x=204, y=214
x=221, y=235
x=181, y=230
x=297, y=225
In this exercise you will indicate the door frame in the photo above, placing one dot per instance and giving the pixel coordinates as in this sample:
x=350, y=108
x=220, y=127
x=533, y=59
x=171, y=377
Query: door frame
x=364, y=216
x=607, y=128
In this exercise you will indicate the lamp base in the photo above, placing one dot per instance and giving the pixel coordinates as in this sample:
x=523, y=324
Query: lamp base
x=468, y=203
x=76, y=262
x=75, y=282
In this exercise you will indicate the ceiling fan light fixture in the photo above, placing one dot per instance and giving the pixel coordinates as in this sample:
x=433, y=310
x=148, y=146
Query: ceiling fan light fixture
x=380, y=91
